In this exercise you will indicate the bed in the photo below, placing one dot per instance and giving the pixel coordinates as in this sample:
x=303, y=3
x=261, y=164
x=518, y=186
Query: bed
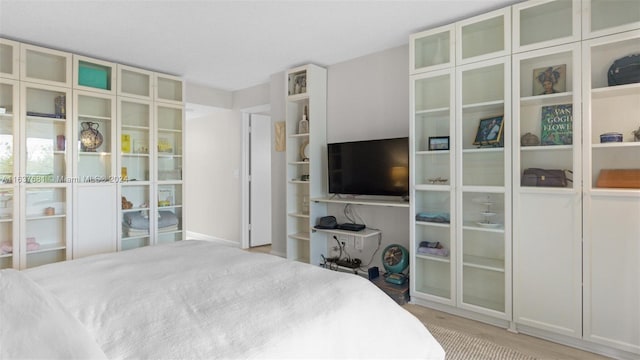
x=197, y=299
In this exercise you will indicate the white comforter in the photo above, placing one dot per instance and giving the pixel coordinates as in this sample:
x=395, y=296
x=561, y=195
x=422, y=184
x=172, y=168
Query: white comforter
x=196, y=299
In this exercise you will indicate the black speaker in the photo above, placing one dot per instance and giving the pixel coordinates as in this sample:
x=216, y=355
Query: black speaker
x=373, y=272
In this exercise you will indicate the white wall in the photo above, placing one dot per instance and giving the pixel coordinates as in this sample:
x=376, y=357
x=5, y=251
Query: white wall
x=278, y=169
x=368, y=97
x=212, y=183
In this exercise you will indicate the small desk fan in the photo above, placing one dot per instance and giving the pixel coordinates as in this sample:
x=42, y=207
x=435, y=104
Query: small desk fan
x=395, y=259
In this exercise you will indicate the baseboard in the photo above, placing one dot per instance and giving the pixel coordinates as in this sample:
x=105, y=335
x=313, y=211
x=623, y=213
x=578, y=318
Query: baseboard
x=191, y=235
x=278, y=253
x=460, y=312
x=576, y=343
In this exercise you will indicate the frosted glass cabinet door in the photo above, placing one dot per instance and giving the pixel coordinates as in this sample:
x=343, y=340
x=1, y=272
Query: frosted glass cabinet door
x=606, y=17
x=9, y=59
x=432, y=49
x=544, y=23
x=45, y=66
x=168, y=89
x=484, y=37
x=483, y=180
x=134, y=83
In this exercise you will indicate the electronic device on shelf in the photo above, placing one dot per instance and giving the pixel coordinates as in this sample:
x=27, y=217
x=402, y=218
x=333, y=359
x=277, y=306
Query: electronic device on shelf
x=351, y=227
x=370, y=167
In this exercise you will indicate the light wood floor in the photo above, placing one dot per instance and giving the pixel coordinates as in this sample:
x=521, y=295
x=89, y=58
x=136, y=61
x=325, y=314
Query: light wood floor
x=532, y=346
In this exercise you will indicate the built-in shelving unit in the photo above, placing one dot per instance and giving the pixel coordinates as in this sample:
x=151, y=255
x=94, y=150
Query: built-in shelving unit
x=451, y=184
x=63, y=167
x=572, y=245
x=306, y=102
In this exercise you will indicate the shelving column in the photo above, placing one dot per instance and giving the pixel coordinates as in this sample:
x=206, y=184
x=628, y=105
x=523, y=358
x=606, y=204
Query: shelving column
x=306, y=94
x=611, y=228
x=169, y=161
x=94, y=167
x=483, y=165
x=547, y=136
x=433, y=172
x=135, y=141
x=45, y=156
x=9, y=144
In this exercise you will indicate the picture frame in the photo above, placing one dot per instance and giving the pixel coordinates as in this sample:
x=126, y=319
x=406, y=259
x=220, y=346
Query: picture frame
x=490, y=131
x=438, y=143
x=550, y=80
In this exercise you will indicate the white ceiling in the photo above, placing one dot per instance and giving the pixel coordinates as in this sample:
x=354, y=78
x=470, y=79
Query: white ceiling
x=228, y=45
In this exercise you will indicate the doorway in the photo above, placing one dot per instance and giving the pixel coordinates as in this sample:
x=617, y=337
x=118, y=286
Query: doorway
x=256, y=219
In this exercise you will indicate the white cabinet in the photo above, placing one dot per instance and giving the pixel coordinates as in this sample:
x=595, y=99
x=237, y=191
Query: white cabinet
x=306, y=104
x=611, y=290
x=574, y=257
x=547, y=250
x=461, y=175
x=77, y=135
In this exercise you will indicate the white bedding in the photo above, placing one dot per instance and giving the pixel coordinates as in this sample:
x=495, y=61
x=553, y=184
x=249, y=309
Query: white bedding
x=195, y=299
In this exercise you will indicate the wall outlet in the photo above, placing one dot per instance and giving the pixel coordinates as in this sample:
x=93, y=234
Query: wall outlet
x=359, y=243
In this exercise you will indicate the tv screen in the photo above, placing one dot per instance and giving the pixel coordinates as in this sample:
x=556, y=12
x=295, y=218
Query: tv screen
x=371, y=167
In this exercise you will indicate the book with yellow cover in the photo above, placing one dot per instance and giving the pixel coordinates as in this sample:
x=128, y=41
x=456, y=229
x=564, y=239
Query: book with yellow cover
x=126, y=143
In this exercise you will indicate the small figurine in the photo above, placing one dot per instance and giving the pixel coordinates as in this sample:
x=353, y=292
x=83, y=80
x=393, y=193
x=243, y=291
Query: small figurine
x=126, y=204
x=636, y=135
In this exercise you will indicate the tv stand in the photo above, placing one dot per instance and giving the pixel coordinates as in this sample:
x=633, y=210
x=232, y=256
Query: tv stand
x=336, y=199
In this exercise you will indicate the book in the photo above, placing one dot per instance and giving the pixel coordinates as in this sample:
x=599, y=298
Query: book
x=126, y=143
x=557, y=125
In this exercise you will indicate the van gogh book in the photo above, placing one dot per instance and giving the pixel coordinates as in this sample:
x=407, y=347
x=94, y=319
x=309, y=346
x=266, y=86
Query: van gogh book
x=557, y=125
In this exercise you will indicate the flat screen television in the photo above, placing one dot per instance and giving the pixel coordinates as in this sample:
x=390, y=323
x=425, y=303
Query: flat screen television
x=370, y=167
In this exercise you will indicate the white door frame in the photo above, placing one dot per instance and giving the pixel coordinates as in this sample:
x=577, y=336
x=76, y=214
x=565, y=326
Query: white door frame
x=244, y=177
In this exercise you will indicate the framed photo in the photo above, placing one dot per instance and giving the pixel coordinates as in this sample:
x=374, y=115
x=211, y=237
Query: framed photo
x=550, y=80
x=438, y=143
x=490, y=131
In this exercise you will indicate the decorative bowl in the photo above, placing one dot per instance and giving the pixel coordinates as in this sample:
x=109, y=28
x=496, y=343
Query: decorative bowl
x=610, y=137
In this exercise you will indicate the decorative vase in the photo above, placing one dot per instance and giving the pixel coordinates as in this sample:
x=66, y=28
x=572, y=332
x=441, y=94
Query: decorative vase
x=90, y=137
